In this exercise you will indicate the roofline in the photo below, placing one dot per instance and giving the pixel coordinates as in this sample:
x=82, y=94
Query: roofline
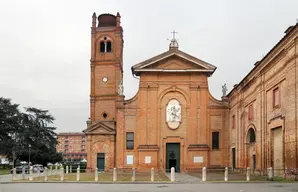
x=70, y=133
x=174, y=70
x=137, y=71
x=288, y=31
x=168, y=54
x=173, y=53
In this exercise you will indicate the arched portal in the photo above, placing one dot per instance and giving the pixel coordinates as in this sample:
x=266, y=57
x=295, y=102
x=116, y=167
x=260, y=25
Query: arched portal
x=251, y=148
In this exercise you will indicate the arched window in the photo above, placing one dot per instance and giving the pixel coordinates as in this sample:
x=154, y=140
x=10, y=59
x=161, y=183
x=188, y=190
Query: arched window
x=102, y=47
x=109, y=46
x=105, y=45
x=251, y=136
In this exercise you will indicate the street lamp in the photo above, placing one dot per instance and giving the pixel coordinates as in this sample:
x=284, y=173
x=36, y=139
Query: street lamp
x=29, y=154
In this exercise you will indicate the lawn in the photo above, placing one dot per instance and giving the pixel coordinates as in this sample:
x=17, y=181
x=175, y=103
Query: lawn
x=105, y=177
x=4, y=171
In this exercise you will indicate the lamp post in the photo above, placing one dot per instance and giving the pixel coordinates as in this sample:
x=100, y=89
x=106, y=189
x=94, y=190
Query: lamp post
x=29, y=155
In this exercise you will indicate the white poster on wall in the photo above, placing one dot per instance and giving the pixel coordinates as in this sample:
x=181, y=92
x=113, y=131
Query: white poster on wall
x=129, y=159
x=198, y=159
x=147, y=159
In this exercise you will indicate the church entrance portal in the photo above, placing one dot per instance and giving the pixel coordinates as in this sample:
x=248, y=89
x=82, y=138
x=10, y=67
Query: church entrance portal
x=173, y=156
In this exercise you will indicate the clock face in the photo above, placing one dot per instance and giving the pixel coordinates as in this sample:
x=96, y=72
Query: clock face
x=105, y=79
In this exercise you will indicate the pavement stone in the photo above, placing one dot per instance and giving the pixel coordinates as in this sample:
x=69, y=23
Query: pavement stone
x=6, y=178
x=223, y=187
x=184, y=178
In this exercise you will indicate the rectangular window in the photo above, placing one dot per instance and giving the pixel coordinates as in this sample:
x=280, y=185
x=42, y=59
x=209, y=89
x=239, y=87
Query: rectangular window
x=215, y=140
x=250, y=112
x=129, y=140
x=275, y=98
x=233, y=121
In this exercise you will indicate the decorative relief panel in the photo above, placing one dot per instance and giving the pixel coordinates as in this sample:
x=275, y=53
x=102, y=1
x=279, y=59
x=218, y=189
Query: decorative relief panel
x=173, y=114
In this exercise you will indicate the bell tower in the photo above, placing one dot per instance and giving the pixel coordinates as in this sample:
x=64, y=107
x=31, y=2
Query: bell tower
x=106, y=66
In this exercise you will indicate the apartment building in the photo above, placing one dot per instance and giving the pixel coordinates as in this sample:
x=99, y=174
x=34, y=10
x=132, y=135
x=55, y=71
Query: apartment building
x=72, y=145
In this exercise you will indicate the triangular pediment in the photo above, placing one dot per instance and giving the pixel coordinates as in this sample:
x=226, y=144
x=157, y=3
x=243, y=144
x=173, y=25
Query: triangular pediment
x=173, y=60
x=100, y=128
x=174, y=63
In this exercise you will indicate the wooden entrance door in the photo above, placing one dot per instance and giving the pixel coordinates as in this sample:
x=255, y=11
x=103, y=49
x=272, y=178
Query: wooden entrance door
x=254, y=162
x=234, y=158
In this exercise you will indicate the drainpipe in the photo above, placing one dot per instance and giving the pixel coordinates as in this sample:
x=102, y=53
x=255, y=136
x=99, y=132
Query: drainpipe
x=283, y=141
x=263, y=124
x=296, y=55
x=229, y=134
x=115, y=147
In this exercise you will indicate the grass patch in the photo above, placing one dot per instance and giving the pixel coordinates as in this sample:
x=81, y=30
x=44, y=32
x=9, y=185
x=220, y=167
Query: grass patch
x=4, y=171
x=104, y=177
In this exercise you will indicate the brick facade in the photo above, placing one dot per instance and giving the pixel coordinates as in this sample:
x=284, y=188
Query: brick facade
x=72, y=145
x=274, y=122
x=137, y=132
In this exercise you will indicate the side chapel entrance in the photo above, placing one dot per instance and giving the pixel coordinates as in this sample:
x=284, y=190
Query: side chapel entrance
x=100, y=161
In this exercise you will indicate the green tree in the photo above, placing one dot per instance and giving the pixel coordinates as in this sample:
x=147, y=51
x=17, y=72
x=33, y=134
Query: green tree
x=40, y=135
x=32, y=128
x=10, y=128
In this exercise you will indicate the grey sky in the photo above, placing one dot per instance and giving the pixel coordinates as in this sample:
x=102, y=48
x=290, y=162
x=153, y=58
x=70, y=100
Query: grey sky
x=45, y=45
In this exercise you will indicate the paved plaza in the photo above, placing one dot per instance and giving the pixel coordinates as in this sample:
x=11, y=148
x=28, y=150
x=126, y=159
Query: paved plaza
x=5, y=178
x=184, y=178
x=209, y=187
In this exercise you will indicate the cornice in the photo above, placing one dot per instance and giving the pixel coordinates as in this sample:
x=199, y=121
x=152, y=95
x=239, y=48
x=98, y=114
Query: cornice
x=194, y=87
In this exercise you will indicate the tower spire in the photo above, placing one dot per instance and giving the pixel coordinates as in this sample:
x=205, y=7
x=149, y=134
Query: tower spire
x=94, y=20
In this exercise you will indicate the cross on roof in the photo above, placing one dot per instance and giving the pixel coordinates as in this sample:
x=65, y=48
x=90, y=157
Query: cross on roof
x=174, y=33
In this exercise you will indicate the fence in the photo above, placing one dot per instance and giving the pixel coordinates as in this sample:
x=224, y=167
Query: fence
x=34, y=174
x=68, y=174
x=248, y=174
x=204, y=174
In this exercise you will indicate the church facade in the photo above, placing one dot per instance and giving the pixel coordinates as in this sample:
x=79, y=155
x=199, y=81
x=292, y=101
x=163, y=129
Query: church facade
x=173, y=120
